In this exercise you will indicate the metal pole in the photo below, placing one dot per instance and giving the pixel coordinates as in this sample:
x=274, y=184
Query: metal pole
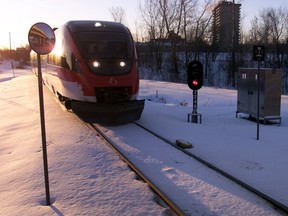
x=195, y=99
x=43, y=132
x=12, y=63
x=258, y=99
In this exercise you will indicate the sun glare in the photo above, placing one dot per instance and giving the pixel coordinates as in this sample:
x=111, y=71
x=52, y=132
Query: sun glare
x=57, y=49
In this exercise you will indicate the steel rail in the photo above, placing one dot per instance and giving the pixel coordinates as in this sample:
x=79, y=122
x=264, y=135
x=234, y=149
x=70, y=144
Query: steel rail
x=157, y=190
x=269, y=199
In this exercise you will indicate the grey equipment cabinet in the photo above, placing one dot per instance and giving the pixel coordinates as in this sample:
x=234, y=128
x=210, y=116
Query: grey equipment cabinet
x=270, y=93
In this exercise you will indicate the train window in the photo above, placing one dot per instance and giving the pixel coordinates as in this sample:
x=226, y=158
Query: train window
x=106, y=53
x=106, y=49
x=105, y=45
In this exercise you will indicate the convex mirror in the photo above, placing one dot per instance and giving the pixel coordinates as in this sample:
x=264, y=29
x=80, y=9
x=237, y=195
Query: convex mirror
x=41, y=38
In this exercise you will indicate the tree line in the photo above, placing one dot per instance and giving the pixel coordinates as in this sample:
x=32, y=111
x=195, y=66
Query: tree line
x=171, y=33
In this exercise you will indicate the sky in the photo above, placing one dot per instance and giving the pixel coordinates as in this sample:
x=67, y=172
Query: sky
x=17, y=17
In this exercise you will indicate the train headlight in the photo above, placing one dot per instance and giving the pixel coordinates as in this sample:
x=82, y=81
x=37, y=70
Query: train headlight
x=96, y=64
x=122, y=64
x=98, y=24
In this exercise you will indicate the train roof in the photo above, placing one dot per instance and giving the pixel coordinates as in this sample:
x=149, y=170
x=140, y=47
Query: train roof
x=95, y=25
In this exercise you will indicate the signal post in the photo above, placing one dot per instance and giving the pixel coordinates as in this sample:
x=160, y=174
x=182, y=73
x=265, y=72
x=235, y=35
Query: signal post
x=258, y=55
x=195, y=82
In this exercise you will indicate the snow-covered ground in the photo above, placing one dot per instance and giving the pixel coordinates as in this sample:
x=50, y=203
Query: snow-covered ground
x=87, y=178
x=222, y=139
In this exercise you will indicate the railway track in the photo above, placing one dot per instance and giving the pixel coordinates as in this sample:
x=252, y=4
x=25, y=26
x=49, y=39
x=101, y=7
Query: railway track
x=277, y=205
x=174, y=207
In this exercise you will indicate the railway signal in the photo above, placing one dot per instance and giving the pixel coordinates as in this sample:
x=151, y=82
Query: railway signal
x=195, y=82
x=195, y=75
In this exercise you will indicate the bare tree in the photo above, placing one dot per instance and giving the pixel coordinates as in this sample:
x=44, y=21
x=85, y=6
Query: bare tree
x=177, y=24
x=270, y=29
x=278, y=20
x=118, y=14
x=155, y=32
x=171, y=12
x=165, y=20
x=201, y=31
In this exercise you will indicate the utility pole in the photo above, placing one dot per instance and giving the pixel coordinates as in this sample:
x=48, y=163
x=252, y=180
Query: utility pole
x=12, y=62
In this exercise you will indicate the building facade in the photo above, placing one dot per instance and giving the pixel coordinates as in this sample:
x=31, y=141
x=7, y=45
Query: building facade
x=226, y=26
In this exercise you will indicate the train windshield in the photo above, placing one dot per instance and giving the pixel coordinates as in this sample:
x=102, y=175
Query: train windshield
x=102, y=45
x=106, y=53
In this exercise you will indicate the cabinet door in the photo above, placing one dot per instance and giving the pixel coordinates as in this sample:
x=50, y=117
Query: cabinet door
x=272, y=85
x=242, y=94
x=254, y=95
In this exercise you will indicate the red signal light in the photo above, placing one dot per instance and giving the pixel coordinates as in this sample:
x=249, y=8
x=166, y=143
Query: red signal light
x=195, y=75
x=194, y=82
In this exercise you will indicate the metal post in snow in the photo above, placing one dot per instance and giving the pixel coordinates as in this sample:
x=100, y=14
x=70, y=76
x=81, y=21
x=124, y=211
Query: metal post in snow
x=42, y=44
x=43, y=131
x=258, y=55
x=194, y=111
x=12, y=63
x=258, y=99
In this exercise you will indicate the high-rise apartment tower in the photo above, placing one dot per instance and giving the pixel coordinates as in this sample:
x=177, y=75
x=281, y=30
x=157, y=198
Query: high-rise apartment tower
x=226, y=26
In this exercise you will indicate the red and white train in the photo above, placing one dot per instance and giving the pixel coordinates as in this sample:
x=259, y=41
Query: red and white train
x=93, y=70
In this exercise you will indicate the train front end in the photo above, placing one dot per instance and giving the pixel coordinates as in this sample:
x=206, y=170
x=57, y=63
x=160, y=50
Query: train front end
x=106, y=60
